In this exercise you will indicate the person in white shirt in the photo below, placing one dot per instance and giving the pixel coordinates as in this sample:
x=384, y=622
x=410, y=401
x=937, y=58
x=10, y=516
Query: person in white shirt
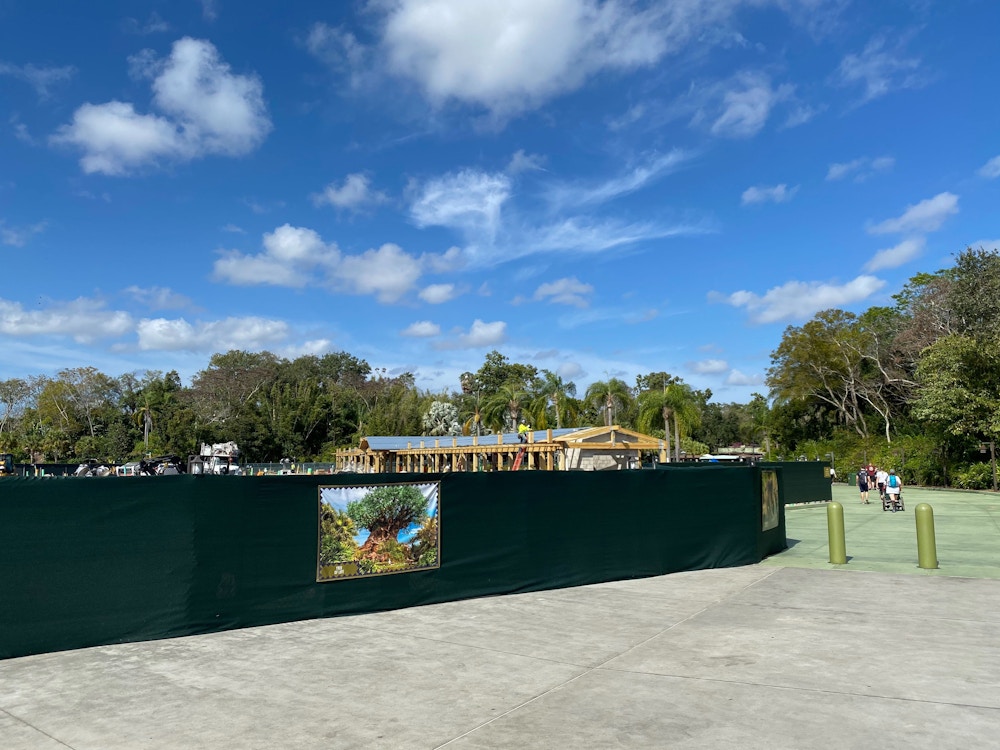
x=881, y=477
x=893, y=486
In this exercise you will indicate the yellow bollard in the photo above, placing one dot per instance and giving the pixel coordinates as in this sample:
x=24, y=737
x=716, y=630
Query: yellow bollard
x=835, y=530
x=926, y=543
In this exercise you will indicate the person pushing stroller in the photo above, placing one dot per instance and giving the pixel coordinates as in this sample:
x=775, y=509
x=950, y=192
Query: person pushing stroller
x=893, y=498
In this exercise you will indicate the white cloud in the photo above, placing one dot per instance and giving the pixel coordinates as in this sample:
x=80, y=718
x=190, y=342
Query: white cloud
x=801, y=114
x=354, y=195
x=587, y=236
x=249, y=333
x=422, y=329
x=563, y=194
x=154, y=25
x=509, y=55
x=862, y=168
x=158, y=298
x=315, y=347
x=985, y=244
x=436, y=294
x=798, y=300
x=452, y=259
x=738, y=378
x=522, y=162
x=209, y=10
x=709, y=366
x=116, y=139
x=746, y=105
x=292, y=257
x=233, y=229
x=568, y=291
x=387, y=272
x=468, y=200
x=926, y=216
x=893, y=257
x=85, y=320
x=480, y=335
x=569, y=370
x=298, y=257
x=991, y=169
x=19, y=236
x=880, y=70
x=206, y=110
x=41, y=79
x=761, y=194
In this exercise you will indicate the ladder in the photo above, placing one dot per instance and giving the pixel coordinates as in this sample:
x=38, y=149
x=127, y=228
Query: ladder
x=518, y=459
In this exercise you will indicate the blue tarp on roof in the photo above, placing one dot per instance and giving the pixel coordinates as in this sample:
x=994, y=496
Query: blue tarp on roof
x=391, y=443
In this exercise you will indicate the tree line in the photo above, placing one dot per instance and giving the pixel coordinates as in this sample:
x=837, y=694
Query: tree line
x=306, y=408
x=914, y=385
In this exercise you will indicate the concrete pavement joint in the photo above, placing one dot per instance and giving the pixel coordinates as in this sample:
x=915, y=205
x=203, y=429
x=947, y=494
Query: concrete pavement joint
x=606, y=661
x=40, y=731
x=796, y=688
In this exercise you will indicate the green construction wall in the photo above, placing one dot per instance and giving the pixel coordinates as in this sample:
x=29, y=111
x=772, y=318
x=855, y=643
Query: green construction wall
x=804, y=481
x=92, y=561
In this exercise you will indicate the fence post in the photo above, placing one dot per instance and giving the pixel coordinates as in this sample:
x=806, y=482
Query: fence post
x=835, y=531
x=926, y=543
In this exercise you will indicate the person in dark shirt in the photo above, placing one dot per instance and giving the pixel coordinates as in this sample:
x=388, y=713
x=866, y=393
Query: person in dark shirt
x=863, y=484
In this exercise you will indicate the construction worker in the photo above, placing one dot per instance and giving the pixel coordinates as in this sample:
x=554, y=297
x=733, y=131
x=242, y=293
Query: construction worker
x=522, y=432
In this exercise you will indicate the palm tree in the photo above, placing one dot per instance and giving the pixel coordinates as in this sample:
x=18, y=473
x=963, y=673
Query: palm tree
x=609, y=398
x=144, y=416
x=676, y=403
x=560, y=394
x=502, y=409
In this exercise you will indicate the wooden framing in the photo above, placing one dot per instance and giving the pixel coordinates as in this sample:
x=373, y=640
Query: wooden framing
x=585, y=449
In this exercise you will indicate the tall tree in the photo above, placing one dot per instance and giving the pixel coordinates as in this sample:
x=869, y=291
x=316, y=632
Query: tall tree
x=610, y=398
x=560, y=394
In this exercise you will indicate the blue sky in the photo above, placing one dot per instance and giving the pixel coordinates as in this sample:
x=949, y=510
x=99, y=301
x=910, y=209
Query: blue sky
x=601, y=189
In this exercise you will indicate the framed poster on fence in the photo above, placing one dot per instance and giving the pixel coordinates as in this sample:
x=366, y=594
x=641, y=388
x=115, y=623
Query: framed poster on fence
x=768, y=500
x=378, y=529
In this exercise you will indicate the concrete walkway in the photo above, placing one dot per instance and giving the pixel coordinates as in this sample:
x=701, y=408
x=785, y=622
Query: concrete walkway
x=768, y=656
x=755, y=657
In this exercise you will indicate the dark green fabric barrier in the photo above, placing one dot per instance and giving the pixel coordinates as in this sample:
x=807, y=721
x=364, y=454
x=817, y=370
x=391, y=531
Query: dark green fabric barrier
x=89, y=561
x=804, y=481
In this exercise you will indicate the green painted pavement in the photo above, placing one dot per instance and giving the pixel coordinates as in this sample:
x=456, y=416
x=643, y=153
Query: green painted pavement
x=967, y=525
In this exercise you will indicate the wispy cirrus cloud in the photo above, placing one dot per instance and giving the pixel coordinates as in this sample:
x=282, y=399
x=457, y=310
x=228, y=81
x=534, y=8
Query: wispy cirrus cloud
x=43, y=79
x=565, y=194
x=567, y=291
x=763, y=194
x=860, y=169
x=19, y=236
x=478, y=206
x=880, y=68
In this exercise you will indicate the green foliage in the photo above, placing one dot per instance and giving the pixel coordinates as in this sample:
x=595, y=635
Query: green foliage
x=393, y=506
x=977, y=476
x=337, y=532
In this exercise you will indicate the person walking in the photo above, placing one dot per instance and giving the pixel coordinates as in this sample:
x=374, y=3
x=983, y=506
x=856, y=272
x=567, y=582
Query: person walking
x=881, y=477
x=863, y=484
x=893, y=489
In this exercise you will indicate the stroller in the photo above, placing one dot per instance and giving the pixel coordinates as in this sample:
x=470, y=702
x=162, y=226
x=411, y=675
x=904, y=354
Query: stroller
x=892, y=502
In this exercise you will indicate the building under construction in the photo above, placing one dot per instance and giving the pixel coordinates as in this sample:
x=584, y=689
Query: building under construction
x=580, y=449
